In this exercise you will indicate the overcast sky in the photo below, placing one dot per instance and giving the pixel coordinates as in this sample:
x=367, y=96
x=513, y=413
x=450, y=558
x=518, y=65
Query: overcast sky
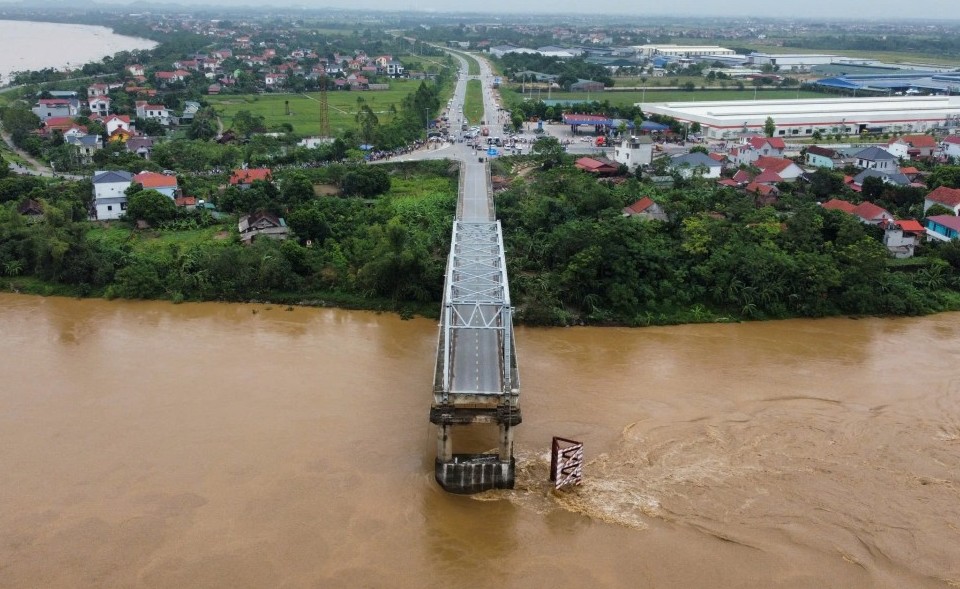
x=814, y=9
x=818, y=9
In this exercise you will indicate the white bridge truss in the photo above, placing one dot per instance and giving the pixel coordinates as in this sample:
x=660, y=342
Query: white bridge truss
x=477, y=297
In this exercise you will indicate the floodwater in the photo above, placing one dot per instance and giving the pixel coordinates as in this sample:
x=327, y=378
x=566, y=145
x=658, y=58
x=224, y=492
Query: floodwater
x=38, y=45
x=144, y=444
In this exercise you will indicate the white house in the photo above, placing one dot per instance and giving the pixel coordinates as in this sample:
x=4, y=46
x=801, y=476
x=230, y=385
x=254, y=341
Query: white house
x=109, y=198
x=156, y=112
x=165, y=185
x=875, y=158
x=902, y=236
x=99, y=105
x=114, y=122
x=950, y=146
x=943, y=196
x=696, y=163
x=634, y=152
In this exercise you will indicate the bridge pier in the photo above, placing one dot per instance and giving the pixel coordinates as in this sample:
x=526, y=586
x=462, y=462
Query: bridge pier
x=474, y=473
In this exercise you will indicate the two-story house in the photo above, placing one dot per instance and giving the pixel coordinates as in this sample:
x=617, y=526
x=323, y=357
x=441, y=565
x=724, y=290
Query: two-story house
x=902, y=236
x=156, y=112
x=99, y=105
x=943, y=227
x=912, y=146
x=109, y=193
x=47, y=108
x=634, y=152
x=875, y=158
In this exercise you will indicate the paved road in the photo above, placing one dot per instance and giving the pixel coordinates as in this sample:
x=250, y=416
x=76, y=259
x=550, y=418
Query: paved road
x=476, y=366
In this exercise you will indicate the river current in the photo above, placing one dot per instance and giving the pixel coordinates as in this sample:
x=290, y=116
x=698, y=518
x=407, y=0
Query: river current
x=146, y=444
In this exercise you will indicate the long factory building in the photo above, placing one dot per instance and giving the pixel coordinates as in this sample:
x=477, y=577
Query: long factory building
x=802, y=117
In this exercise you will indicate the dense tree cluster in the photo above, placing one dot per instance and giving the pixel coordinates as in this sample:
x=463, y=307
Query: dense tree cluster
x=388, y=251
x=575, y=258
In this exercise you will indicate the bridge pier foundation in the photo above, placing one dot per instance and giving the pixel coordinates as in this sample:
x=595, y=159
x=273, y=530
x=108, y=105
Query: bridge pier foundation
x=475, y=473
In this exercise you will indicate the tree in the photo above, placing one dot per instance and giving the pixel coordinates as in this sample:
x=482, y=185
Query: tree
x=872, y=188
x=151, y=206
x=4, y=168
x=246, y=123
x=769, y=127
x=548, y=152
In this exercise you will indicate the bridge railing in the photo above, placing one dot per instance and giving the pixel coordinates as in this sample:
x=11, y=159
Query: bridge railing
x=461, y=188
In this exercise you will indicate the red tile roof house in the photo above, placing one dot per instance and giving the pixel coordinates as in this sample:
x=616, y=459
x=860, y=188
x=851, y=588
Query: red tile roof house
x=902, y=236
x=245, y=178
x=912, y=146
x=950, y=146
x=836, y=204
x=765, y=194
x=944, y=196
x=598, y=166
x=645, y=208
x=786, y=169
x=871, y=214
x=165, y=185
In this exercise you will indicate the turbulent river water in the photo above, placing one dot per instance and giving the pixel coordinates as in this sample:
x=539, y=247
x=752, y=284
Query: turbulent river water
x=210, y=445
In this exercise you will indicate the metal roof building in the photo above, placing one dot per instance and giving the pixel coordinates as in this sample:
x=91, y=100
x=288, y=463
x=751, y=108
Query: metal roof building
x=895, y=82
x=803, y=117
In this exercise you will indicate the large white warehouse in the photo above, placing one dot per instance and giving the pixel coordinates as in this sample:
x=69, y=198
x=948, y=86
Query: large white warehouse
x=801, y=118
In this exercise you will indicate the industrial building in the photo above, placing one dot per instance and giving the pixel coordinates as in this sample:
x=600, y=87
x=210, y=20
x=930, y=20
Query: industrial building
x=681, y=50
x=786, y=61
x=803, y=117
x=896, y=83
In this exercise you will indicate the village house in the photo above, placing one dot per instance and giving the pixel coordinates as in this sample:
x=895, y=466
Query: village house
x=634, y=152
x=950, y=146
x=136, y=70
x=695, y=163
x=599, y=166
x=62, y=124
x=86, y=145
x=894, y=179
x=754, y=148
x=99, y=105
x=109, y=194
x=943, y=227
x=156, y=112
x=94, y=90
x=31, y=209
x=912, y=147
x=142, y=146
x=262, y=224
x=162, y=183
x=645, y=208
x=784, y=168
x=245, y=178
x=48, y=108
x=875, y=158
x=943, y=196
x=823, y=157
x=902, y=236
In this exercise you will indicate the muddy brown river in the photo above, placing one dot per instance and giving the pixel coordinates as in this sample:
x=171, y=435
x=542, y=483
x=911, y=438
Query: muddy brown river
x=145, y=444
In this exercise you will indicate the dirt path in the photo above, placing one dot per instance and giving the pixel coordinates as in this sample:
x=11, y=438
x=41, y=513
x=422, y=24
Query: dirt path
x=36, y=166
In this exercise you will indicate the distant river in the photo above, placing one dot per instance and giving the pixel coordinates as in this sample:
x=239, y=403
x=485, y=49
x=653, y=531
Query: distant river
x=39, y=45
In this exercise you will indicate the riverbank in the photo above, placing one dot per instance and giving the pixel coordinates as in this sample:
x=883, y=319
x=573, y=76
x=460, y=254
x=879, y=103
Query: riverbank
x=30, y=46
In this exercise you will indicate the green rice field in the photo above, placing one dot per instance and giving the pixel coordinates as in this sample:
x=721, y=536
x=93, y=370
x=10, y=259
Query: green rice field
x=305, y=108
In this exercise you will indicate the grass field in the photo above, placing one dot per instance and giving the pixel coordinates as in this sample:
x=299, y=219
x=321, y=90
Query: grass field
x=305, y=108
x=473, y=103
x=633, y=97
